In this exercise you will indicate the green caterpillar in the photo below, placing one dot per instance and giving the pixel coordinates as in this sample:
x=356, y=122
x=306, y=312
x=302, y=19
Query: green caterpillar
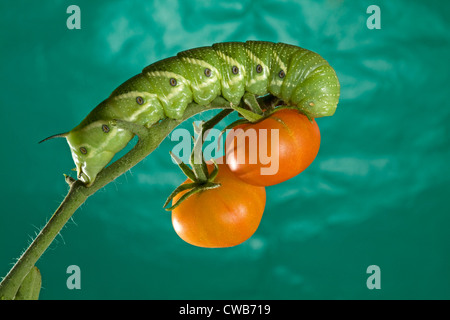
x=297, y=76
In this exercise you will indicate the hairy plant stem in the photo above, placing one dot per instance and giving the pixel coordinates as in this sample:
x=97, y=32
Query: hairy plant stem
x=149, y=140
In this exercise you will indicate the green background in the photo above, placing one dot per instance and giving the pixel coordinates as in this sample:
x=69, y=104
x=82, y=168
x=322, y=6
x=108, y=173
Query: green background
x=377, y=193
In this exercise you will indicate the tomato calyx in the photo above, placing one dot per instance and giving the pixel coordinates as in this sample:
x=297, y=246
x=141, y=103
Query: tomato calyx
x=286, y=107
x=201, y=178
x=201, y=181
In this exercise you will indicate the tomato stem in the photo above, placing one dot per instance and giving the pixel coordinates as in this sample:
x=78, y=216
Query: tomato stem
x=202, y=179
x=197, y=160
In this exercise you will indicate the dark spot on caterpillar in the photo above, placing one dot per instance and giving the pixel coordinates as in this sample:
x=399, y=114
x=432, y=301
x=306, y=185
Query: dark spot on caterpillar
x=83, y=150
x=208, y=72
x=259, y=68
x=139, y=100
x=173, y=82
x=235, y=70
x=105, y=128
x=281, y=74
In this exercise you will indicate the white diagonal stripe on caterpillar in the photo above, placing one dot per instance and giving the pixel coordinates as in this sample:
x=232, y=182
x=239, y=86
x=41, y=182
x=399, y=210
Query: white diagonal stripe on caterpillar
x=204, y=83
x=257, y=60
x=174, y=91
x=202, y=63
x=277, y=58
x=167, y=74
x=134, y=94
x=265, y=72
x=231, y=61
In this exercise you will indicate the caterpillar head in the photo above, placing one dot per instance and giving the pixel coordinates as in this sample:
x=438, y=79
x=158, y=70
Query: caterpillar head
x=93, y=146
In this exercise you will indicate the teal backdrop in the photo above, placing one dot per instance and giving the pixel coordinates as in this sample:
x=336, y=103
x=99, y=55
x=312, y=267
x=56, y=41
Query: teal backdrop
x=377, y=193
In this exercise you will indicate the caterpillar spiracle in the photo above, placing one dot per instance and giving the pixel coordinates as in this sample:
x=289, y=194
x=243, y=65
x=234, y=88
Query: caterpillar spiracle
x=164, y=89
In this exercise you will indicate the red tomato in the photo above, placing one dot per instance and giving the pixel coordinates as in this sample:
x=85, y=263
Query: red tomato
x=222, y=217
x=295, y=149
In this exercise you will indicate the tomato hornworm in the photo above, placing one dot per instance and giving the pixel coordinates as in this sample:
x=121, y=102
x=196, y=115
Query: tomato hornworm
x=297, y=76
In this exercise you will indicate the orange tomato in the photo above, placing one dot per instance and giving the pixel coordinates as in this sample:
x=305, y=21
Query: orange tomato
x=295, y=149
x=222, y=217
